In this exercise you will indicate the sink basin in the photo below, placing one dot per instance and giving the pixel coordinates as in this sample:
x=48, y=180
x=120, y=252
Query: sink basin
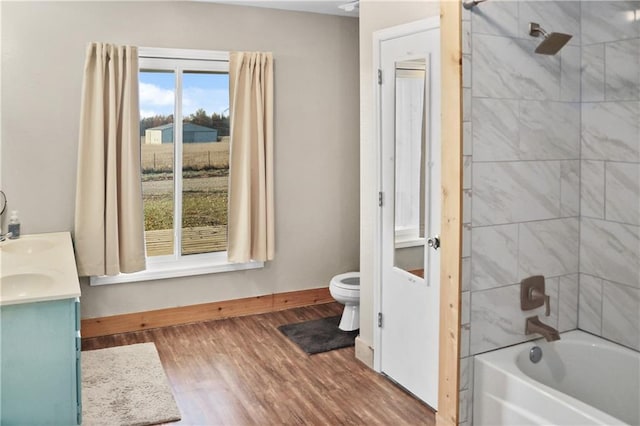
x=26, y=246
x=24, y=284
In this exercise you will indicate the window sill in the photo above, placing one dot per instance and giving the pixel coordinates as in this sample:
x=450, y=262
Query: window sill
x=168, y=267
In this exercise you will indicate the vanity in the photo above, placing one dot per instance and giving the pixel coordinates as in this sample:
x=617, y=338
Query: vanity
x=39, y=331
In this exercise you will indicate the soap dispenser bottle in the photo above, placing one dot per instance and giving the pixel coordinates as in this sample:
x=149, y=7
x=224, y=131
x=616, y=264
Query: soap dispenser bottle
x=14, y=225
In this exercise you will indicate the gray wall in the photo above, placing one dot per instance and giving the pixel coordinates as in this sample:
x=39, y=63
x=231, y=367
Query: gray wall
x=551, y=177
x=316, y=173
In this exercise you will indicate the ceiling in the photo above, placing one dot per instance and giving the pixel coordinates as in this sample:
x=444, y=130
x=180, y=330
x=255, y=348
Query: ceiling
x=327, y=7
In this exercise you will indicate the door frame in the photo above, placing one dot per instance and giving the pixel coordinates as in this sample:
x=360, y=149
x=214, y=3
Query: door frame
x=451, y=215
x=451, y=205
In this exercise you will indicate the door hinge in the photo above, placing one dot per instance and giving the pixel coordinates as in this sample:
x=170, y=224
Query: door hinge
x=379, y=76
x=380, y=199
x=379, y=319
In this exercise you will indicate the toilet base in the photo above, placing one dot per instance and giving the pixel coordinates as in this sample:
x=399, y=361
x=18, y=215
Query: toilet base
x=350, y=320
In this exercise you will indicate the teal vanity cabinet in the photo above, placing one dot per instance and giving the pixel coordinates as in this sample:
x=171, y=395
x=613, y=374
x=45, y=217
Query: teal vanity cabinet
x=39, y=331
x=40, y=363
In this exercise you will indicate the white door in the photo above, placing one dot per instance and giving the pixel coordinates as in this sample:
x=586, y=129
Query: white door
x=409, y=119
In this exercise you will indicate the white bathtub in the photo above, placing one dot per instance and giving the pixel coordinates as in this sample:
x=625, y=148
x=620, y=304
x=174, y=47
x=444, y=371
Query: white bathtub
x=581, y=380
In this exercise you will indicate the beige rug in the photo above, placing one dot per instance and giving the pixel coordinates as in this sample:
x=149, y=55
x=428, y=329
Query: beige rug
x=126, y=385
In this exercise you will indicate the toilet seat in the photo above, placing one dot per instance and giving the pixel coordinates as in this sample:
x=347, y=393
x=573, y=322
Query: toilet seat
x=347, y=281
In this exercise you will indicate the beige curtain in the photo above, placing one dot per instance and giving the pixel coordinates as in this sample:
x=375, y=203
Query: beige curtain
x=109, y=220
x=251, y=222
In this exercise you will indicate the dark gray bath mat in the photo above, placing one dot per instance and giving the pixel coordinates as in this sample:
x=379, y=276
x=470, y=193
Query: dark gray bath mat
x=319, y=335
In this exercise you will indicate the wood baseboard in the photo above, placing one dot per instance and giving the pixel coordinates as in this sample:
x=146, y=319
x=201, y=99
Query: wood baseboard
x=104, y=326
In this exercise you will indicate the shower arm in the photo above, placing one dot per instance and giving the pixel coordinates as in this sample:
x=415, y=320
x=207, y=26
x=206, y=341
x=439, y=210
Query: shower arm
x=535, y=30
x=469, y=4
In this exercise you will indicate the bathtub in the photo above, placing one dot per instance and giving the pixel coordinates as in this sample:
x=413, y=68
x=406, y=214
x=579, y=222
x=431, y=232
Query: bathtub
x=580, y=380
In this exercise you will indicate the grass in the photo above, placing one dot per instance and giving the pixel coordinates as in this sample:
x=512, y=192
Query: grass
x=199, y=208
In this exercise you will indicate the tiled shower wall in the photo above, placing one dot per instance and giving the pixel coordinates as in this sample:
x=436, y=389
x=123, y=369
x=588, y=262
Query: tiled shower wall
x=531, y=123
x=610, y=172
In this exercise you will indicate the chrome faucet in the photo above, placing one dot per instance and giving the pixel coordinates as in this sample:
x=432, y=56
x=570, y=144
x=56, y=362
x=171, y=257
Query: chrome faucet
x=534, y=325
x=5, y=236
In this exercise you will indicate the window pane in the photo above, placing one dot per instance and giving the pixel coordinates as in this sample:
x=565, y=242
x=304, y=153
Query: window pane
x=205, y=162
x=157, y=90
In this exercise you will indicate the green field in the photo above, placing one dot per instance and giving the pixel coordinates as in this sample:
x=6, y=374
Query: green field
x=198, y=209
x=205, y=178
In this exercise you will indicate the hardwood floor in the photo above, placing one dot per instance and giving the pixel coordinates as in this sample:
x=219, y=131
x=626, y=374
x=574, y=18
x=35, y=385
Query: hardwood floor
x=243, y=371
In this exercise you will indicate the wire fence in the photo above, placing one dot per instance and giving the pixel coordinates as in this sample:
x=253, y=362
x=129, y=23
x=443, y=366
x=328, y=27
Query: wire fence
x=195, y=156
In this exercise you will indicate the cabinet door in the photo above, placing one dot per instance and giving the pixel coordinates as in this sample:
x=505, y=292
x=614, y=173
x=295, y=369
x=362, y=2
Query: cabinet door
x=38, y=363
x=78, y=364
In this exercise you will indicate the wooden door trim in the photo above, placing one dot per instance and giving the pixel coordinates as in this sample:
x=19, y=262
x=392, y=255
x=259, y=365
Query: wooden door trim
x=451, y=227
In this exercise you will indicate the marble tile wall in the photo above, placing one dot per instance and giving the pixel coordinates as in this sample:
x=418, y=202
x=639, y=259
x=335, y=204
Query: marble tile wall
x=522, y=142
x=522, y=167
x=609, y=300
x=466, y=361
x=551, y=176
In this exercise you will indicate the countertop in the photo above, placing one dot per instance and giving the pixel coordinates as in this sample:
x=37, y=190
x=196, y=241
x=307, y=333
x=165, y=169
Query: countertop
x=37, y=268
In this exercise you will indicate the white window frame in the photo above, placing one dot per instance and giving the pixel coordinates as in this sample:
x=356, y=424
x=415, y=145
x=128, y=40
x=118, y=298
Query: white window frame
x=177, y=265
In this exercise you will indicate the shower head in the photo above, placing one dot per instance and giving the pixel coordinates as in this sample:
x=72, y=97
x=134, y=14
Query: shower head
x=552, y=42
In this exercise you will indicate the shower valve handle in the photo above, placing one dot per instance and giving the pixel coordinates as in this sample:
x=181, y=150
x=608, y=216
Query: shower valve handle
x=547, y=304
x=535, y=294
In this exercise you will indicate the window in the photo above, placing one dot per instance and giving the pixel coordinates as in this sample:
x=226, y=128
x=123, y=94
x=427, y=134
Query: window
x=184, y=137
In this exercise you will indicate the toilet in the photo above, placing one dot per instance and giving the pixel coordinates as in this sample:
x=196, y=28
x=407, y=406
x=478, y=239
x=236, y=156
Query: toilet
x=345, y=289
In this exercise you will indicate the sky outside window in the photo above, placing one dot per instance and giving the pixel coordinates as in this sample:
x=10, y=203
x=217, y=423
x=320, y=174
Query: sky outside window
x=157, y=93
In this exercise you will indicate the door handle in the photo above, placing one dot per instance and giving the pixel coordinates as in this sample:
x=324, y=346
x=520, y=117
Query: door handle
x=434, y=242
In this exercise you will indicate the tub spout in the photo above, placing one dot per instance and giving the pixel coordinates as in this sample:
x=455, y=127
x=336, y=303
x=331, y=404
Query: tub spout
x=534, y=325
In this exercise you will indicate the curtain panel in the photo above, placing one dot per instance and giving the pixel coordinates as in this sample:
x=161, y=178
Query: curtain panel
x=109, y=218
x=251, y=210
